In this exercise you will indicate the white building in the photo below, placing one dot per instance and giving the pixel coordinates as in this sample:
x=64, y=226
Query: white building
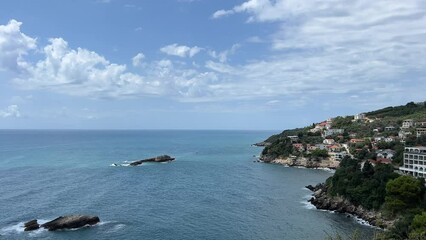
x=330, y=132
x=385, y=153
x=293, y=138
x=337, y=156
x=414, y=161
x=328, y=141
x=360, y=116
x=407, y=123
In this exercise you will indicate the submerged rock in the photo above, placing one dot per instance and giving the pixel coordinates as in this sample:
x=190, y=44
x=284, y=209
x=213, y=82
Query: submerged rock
x=70, y=222
x=31, y=225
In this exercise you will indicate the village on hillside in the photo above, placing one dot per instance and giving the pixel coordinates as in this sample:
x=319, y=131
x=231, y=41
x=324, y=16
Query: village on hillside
x=397, y=141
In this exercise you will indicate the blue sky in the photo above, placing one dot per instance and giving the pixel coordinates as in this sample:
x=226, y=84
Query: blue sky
x=206, y=64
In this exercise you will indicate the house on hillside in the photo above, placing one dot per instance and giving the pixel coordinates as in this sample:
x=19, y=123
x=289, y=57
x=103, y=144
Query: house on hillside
x=421, y=124
x=385, y=153
x=299, y=147
x=334, y=148
x=330, y=132
x=328, y=141
x=337, y=156
x=359, y=116
x=402, y=134
x=293, y=138
x=356, y=140
x=389, y=128
x=420, y=132
x=407, y=123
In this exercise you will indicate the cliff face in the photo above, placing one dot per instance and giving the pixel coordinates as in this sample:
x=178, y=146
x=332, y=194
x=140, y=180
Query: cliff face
x=304, y=162
x=322, y=200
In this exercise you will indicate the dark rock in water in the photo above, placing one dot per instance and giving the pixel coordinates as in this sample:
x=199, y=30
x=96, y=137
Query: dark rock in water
x=70, y=222
x=316, y=187
x=31, y=225
x=163, y=158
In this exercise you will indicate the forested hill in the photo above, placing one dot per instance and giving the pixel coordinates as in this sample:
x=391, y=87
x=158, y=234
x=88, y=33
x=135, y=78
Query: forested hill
x=385, y=116
x=410, y=110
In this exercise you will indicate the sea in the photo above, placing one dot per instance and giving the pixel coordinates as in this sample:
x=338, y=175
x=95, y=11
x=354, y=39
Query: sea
x=215, y=189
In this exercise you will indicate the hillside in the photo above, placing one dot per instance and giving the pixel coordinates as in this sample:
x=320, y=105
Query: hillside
x=361, y=136
x=368, y=149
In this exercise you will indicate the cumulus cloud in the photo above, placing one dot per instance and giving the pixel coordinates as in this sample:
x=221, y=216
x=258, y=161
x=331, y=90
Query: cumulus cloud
x=137, y=60
x=82, y=72
x=10, y=111
x=13, y=46
x=373, y=50
x=180, y=50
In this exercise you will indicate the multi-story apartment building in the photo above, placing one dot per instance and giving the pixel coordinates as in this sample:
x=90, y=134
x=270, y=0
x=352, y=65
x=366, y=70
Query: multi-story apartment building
x=414, y=161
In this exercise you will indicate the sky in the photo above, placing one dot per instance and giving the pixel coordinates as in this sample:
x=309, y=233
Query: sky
x=206, y=64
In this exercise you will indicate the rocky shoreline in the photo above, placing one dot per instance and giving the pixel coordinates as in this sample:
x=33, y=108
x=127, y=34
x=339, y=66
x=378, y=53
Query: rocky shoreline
x=303, y=162
x=322, y=200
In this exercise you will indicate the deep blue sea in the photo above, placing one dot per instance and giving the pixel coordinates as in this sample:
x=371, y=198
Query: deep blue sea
x=213, y=190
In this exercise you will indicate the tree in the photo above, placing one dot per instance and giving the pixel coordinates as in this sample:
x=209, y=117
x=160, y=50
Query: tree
x=418, y=227
x=402, y=193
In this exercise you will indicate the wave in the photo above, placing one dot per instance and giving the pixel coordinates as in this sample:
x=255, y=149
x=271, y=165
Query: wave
x=19, y=229
x=116, y=226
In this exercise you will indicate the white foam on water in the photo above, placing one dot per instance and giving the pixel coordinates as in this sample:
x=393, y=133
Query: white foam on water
x=328, y=170
x=306, y=204
x=116, y=228
x=19, y=229
x=14, y=229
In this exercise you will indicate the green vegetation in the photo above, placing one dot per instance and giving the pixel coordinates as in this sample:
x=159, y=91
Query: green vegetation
x=403, y=193
x=319, y=153
x=282, y=147
x=362, y=186
x=410, y=110
x=381, y=189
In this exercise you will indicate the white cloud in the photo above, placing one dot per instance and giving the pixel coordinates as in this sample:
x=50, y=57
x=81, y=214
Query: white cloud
x=10, y=111
x=82, y=72
x=222, y=13
x=13, y=46
x=223, y=55
x=325, y=50
x=336, y=47
x=180, y=50
x=137, y=60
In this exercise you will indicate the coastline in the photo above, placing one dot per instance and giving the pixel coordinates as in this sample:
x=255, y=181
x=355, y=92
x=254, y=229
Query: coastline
x=323, y=201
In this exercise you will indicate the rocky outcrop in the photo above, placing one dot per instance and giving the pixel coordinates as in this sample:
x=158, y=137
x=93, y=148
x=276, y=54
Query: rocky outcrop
x=70, y=222
x=322, y=200
x=64, y=222
x=316, y=187
x=302, y=162
x=31, y=225
x=163, y=158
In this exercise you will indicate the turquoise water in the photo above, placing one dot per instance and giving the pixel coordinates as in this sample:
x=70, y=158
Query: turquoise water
x=213, y=190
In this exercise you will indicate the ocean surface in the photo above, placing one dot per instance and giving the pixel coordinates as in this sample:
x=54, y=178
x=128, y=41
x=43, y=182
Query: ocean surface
x=213, y=190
